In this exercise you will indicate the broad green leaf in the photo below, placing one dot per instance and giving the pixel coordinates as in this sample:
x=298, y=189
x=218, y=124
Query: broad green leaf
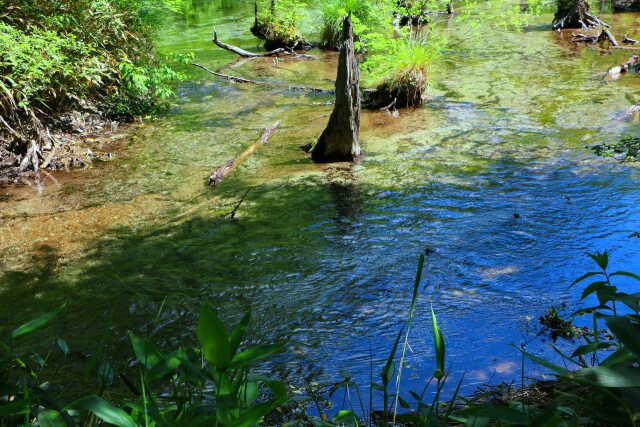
x=254, y=353
x=238, y=333
x=17, y=407
x=584, y=276
x=103, y=410
x=50, y=418
x=498, y=413
x=213, y=338
x=625, y=273
x=620, y=357
x=610, y=377
x=37, y=323
x=146, y=353
x=593, y=287
x=589, y=348
x=346, y=418
x=169, y=363
x=627, y=332
x=254, y=415
x=601, y=258
x=248, y=393
x=557, y=369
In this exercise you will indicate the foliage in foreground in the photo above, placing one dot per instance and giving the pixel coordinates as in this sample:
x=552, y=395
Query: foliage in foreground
x=212, y=384
x=57, y=56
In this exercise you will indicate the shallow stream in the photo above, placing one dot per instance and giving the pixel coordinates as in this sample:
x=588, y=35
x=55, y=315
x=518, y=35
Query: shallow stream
x=327, y=254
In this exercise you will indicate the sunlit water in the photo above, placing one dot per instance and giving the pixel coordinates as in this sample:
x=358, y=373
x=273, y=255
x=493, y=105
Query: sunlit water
x=326, y=255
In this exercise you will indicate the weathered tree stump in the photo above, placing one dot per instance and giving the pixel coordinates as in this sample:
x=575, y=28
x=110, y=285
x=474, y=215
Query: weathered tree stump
x=575, y=14
x=339, y=140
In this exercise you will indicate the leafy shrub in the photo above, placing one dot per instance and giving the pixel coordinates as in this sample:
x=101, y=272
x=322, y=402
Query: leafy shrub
x=57, y=56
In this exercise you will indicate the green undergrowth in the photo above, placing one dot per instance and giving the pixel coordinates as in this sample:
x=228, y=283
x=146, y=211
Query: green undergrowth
x=98, y=56
x=214, y=383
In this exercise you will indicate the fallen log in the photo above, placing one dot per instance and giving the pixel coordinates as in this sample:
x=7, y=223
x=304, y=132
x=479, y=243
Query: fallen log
x=603, y=35
x=246, y=54
x=258, y=82
x=223, y=171
x=584, y=38
x=242, y=52
x=631, y=48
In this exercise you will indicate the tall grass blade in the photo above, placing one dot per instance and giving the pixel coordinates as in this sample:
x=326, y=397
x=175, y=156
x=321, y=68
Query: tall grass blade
x=414, y=297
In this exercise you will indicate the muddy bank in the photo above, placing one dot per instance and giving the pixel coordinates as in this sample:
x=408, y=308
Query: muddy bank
x=75, y=141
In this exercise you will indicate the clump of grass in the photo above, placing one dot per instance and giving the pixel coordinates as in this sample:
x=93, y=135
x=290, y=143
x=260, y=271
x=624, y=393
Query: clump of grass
x=401, y=68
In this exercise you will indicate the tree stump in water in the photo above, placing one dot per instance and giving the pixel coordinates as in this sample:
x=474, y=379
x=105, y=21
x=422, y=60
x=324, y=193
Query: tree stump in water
x=626, y=5
x=339, y=140
x=575, y=14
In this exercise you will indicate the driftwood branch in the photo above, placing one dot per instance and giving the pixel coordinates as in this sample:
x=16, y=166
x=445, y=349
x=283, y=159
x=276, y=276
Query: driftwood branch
x=606, y=34
x=228, y=77
x=223, y=171
x=603, y=35
x=246, y=54
x=242, y=52
x=233, y=213
x=258, y=82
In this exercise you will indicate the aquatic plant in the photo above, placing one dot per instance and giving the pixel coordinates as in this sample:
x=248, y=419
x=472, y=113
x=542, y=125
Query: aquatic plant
x=605, y=387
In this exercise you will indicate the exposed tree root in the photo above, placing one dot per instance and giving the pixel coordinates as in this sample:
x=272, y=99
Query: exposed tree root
x=575, y=14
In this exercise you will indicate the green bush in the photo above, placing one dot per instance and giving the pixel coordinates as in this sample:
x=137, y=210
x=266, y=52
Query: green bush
x=56, y=56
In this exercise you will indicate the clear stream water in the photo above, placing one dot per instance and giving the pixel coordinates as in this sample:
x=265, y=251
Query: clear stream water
x=326, y=255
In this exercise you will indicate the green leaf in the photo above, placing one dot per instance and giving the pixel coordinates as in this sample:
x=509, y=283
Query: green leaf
x=146, y=353
x=63, y=346
x=621, y=357
x=254, y=415
x=169, y=363
x=557, y=369
x=389, y=367
x=238, y=333
x=17, y=407
x=610, y=377
x=601, y=258
x=346, y=418
x=593, y=287
x=498, y=413
x=589, y=348
x=37, y=323
x=627, y=332
x=625, y=273
x=50, y=418
x=254, y=353
x=439, y=345
x=585, y=276
x=213, y=338
x=103, y=410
